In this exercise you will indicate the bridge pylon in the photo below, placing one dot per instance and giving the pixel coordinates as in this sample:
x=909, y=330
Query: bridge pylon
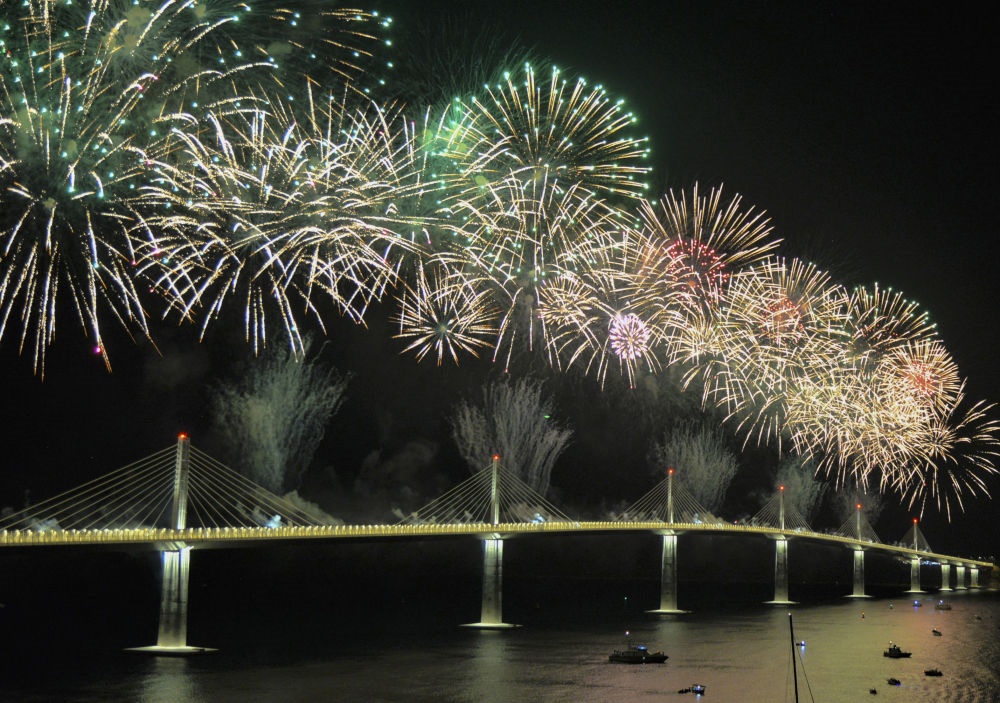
x=668, y=555
x=171, y=639
x=858, y=528
x=786, y=519
x=491, y=610
x=920, y=544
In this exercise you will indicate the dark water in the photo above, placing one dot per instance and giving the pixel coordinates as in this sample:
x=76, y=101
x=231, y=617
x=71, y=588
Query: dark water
x=376, y=623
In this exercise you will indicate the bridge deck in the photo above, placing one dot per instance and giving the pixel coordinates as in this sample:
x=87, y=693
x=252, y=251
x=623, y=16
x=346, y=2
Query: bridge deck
x=219, y=536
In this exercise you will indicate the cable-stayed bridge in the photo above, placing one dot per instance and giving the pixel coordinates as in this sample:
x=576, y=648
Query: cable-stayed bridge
x=180, y=498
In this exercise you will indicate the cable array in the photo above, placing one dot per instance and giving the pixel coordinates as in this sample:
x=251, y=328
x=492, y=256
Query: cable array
x=471, y=501
x=140, y=495
x=781, y=514
x=668, y=504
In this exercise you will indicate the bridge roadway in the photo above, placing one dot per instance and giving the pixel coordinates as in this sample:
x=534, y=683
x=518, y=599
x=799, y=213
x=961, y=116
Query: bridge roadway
x=164, y=538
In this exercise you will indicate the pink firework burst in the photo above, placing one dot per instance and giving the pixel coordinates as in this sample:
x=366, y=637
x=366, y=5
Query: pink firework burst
x=629, y=336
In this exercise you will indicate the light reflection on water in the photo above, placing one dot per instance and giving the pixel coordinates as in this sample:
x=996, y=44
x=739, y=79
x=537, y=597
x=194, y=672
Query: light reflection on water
x=740, y=656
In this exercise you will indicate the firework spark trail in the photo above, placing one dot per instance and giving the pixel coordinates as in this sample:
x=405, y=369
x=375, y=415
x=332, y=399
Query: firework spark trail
x=77, y=85
x=445, y=312
x=563, y=133
x=588, y=323
x=682, y=257
x=781, y=322
x=277, y=212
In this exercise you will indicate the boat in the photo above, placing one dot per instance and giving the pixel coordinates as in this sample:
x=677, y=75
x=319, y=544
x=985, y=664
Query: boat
x=636, y=654
x=894, y=652
x=932, y=672
x=693, y=688
x=936, y=632
x=917, y=604
x=941, y=605
x=893, y=682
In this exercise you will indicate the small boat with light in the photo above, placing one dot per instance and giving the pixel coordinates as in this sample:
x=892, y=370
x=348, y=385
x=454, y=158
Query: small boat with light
x=636, y=654
x=693, y=688
x=942, y=605
x=894, y=682
x=936, y=632
x=894, y=652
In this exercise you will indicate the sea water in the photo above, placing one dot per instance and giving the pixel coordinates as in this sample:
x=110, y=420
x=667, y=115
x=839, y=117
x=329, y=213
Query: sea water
x=297, y=632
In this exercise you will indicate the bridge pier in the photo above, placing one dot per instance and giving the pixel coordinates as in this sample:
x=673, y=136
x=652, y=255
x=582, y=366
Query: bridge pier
x=859, y=574
x=491, y=612
x=945, y=576
x=171, y=637
x=668, y=576
x=914, y=575
x=781, y=572
x=960, y=577
x=974, y=576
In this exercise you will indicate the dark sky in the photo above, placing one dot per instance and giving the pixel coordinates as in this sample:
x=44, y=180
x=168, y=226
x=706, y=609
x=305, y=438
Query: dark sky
x=867, y=131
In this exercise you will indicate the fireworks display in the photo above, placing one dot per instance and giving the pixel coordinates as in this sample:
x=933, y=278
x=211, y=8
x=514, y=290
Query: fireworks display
x=209, y=157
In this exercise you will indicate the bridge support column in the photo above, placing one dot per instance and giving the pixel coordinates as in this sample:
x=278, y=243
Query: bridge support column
x=945, y=576
x=915, y=575
x=668, y=576
x=781, y=572
x=960, y=577
x=174, y=598
x=491, y=614
x=974, y=576
x=859, y=575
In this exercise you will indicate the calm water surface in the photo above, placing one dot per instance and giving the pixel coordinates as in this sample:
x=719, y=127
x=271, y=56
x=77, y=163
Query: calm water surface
x=740, y=654
x=380, y=622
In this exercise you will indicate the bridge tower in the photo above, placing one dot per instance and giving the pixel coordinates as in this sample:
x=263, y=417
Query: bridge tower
x=781, y=556
x=668, y=556
x=491, y=612
x=915, y=559
x=171, y=636
x=859, y=557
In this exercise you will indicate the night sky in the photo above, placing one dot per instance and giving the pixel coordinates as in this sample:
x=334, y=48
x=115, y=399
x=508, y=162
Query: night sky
x=866, y=132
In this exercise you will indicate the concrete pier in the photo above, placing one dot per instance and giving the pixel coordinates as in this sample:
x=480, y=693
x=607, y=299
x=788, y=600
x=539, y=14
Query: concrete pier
x=668, y=576
x=914, y=575
x=945, y=576
x=859, y=574
x=960, y=577
x=491, y=613
x=781, y=573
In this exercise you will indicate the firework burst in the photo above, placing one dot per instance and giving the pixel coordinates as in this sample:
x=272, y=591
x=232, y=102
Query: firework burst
x=780, y=322
x=682, y=257
x=275, y=212
x=446, y=313
x=78, y=84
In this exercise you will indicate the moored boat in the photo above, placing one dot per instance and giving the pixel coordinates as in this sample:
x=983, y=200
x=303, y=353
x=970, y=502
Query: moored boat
x=693, y=688
x=932, y=672
x=636, y=654
x=894, y=652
